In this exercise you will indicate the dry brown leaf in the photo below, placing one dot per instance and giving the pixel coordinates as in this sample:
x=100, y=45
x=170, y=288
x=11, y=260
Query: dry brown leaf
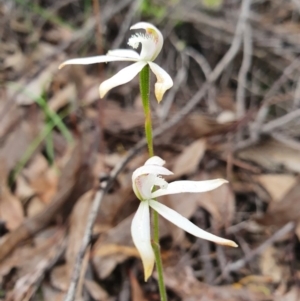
x=269, y=266
x=181, y=279
x=35, y=88
x=292, y=295
x=35, y=206
x=187, y=162
x=78, y=222
x=130, y=118
x=277, y=185
x=23, y=190
x=42, y=178
x=273, y=155
x=11, y=210
x=17, y=142
x=136, y=290
x=116, y=247
x=34, y=269
x=285, y=210
x=59, y=278
x=51, y=294
x=63, y=97
x=220, y=202
x=95, y=290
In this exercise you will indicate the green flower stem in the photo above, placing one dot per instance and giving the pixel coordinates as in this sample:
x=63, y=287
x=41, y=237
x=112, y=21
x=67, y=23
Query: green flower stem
x=145, y=92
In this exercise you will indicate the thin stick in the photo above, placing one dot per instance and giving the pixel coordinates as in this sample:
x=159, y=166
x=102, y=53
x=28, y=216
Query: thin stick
x=276, y=236
x=242, y=77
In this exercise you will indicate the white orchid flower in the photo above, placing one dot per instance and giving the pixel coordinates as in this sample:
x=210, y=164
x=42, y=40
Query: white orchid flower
x=151, y=42
x=143, y=180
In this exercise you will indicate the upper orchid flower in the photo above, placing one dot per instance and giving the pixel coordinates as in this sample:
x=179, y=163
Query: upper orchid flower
x=143, y=180
x=151, y=42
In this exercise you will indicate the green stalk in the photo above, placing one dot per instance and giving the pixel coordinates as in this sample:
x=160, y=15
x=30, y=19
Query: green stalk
x=145, y=92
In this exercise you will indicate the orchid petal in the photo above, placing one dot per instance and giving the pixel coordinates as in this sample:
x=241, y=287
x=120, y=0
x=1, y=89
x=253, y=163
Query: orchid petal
x=144, y=184
x=140, y=231
x=189, y=186
x=150, y=51
x=155, y=160
x=186, y=225
x=94, y=60
x=124, y=53
x=122, y=77
x=164, y=81
x=150, y=169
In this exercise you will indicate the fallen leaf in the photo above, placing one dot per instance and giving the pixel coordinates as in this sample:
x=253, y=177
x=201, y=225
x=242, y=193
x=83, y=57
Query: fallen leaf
x=187, y=162
x=11, y=210
x=220, y=202
x=136, y=290
x=63, y=97
x=42, y=178
x=95, y=290
x=34, y=89
x=182, y=281
x=285, y=210
x=273, y=155
x=292, y=295
x=116, y=247
x=269, y=266
x=277, y=185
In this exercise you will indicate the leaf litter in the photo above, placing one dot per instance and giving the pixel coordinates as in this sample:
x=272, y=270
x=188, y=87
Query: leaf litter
x=58, y=141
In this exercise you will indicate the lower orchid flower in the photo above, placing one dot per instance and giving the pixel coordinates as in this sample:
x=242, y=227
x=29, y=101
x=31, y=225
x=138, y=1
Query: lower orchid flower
x=144, y=179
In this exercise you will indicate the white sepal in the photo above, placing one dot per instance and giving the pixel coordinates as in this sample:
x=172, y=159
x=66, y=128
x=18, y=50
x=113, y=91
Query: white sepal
x=186, y=225
x=94, y=60
x=122, y=77
x=124, y=53
x=155, y=160
x=150, y=169
x=164, y=81
x=189, y=186
x=140, y=231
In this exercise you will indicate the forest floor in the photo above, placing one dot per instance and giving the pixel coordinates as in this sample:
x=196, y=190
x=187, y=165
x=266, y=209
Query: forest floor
x=233, y=113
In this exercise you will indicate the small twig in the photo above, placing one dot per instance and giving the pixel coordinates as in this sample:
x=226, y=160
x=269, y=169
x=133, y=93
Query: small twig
x=297, y=95
x=236, y=42
x=276, y=236
x=126, y=23
x=242, y=77
x=264, y=109
x=180, y=78
x=286, y=140
x=201, y=61
x=281, y=121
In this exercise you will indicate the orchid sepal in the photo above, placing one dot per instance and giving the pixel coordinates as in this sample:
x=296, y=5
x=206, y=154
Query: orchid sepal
x=140, y=232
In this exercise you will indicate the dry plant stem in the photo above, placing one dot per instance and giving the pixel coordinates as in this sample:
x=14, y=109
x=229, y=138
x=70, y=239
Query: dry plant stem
x=145, y=92
x=242, y=77
x=235, y=266
x=85, y=242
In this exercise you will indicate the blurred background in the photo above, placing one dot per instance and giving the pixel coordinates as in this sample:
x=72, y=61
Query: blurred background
x=233, y=112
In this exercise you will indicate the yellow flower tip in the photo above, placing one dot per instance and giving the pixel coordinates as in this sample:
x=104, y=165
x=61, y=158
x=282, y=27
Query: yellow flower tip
x=159, y=97
x=148, y=272
x=230, y=243
x=61, y=66
x=102, y=91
